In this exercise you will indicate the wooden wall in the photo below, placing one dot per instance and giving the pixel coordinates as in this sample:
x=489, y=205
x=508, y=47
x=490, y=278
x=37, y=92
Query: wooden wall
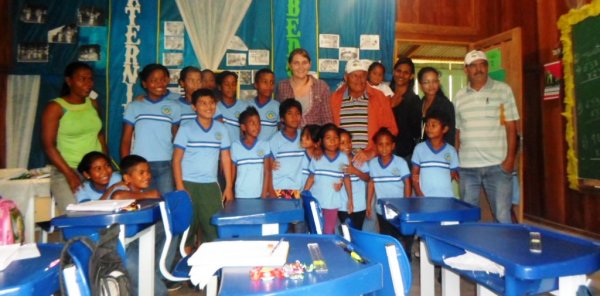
x=547, y=198
x=5, y=62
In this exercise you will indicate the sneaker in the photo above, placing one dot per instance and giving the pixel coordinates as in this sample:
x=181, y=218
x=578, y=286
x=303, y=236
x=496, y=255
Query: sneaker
x=173, y=286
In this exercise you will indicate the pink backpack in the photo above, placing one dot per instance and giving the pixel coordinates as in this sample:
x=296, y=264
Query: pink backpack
x=11, y=223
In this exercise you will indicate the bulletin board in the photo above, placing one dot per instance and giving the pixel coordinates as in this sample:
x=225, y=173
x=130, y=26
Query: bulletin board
x=581, y=59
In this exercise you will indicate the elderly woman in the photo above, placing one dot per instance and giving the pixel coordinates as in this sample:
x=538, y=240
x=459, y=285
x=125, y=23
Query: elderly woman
x=312, y=93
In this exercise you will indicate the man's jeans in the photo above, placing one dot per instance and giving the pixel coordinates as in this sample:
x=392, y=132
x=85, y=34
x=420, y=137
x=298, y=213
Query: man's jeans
x=497, y=185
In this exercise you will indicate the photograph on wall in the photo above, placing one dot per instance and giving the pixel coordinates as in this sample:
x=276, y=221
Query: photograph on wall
x=369, y=42
x=174, y=76
x=33, y=52
x=174, y=28
x=64, y=34
x=89, y=53
x=176, y=90
x=90, y=17
x=329, y=40
x=172, y=59
x=174, y=42
x=329, y=65
x=235, y=59
x=245, y=77
x=33, y=14
x=247, y=94
x=349, y=53
x=258, y=57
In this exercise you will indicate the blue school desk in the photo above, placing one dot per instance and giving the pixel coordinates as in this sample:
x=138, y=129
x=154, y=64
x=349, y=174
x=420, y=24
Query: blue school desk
x=139, y=224
x=255, y=217
x=415, y=212
x=34, y=276
x=344, y=276
x=562, y=264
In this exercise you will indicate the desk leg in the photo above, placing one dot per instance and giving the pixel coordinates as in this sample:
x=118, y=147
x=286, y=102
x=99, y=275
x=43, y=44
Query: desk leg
x=146, y=262
x=483, y=291
x=568, y=285
x=450, y=283
x=427, y=274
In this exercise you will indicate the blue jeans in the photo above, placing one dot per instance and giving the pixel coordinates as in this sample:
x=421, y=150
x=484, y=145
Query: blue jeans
x=497, y=185
x=162, y=176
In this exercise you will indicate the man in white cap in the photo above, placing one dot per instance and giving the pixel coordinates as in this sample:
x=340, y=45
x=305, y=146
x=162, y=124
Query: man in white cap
x=361, y=110
x=486, y=137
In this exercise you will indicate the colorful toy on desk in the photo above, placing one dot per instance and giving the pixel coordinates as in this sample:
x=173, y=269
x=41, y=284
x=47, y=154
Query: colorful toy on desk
x=294, y=271
x=266, y=273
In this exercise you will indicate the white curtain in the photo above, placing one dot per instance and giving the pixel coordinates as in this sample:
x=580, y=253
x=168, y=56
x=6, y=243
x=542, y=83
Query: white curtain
x=21, y=104
x=210, y=25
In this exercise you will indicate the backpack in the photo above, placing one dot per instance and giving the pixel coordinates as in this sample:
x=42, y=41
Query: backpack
x=11, y=223
x=105, y=271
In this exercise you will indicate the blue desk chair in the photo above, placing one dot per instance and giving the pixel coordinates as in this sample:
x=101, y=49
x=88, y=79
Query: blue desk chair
x=176, y=212
x=312, y=213
x=397, y=275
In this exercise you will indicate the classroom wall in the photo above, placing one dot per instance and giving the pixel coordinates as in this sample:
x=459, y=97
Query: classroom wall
x=5, y=56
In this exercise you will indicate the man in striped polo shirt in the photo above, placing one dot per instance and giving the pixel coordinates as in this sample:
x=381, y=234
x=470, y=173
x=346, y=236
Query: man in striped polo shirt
x=486, y=137
x=361, y=110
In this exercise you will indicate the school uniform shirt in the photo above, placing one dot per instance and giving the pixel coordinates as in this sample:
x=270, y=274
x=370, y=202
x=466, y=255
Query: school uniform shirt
x=305, y=172
x=289, y=153
x=202, y=148
x=327, y=172
x=388, y=179
x=269, y=117
x=250, y=163
x=359, y=191
x=152, y=122
x=187, y=112
x=87, y=192
x=230, y=115
x=435, y=167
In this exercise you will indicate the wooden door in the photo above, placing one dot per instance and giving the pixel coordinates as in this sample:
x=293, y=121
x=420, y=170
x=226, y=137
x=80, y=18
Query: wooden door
x=509, y=44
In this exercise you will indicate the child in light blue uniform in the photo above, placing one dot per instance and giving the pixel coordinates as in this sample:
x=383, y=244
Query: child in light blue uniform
x=229, y=108
x=198, y=147
x=310, y=141
x=99, y=176
x=153, y=120
x=249, y=156
x=268, y=109
x=359, y=176
x=190, y=79
x=327, y=177
x=390, y=177
x=435, y=162
x=287, y=153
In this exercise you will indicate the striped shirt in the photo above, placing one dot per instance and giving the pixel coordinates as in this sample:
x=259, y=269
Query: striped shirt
x=435, y=167
x=250, y=163
x=354, y=117
x=480, y=117
x=388, y=178
x=187, y=113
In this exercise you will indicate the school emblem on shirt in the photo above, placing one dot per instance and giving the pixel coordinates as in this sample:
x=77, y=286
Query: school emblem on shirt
x=218, y=136
x=271, y=115
x=447, y=156
x=395, y=172
x=260, y=153
x=166, y=110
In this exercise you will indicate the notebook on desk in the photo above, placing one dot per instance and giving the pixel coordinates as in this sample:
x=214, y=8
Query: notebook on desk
x=102, y=205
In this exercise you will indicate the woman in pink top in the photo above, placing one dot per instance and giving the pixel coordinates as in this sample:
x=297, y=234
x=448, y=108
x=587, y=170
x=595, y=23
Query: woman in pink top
x=311, y=92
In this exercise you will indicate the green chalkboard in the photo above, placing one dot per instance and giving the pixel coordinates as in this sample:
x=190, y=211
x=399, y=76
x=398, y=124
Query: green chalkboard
x=586, y=68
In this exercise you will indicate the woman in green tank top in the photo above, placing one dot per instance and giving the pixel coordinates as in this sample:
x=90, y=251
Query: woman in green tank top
x=71, y=127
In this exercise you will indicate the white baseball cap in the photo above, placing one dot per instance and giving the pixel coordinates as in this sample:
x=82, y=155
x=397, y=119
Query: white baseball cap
x=475, y=55
x=355, y=65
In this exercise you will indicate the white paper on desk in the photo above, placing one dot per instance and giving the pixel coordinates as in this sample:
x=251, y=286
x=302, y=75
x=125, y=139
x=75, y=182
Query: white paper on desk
x=100, y=205
x=472, y=261
x=211, y=257
x=14, y=252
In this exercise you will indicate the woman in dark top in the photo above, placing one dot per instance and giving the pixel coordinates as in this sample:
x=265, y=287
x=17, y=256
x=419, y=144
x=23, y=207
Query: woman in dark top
x=406, y=106
x=434, y=98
